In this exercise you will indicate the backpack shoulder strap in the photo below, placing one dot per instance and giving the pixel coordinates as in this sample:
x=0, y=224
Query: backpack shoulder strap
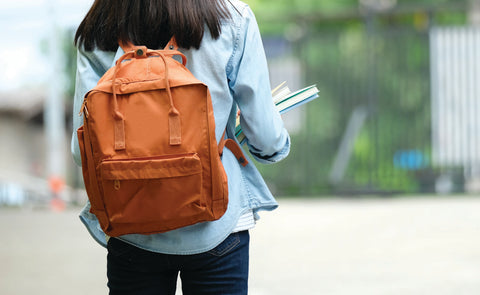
x=233, y=146
x=171, y=45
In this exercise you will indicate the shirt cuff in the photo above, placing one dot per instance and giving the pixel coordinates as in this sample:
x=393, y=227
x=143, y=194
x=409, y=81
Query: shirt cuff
x=270, y=159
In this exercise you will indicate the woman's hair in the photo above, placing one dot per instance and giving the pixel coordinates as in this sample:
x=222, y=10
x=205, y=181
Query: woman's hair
x=150, y=22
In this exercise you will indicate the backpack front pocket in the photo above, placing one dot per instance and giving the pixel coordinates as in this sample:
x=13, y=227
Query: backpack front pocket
x=145, y=193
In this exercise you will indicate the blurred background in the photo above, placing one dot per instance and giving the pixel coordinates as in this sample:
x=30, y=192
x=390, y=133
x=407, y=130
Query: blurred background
x=397, y=117
x=397, y=111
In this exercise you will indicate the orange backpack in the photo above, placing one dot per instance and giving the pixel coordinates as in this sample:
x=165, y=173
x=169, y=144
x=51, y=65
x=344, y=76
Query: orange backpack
x=150, y=160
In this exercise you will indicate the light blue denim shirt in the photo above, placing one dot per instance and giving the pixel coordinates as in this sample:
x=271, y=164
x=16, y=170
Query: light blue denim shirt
x=235, y=69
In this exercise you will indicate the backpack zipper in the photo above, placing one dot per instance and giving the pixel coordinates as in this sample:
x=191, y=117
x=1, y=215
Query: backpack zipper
x=116, y=184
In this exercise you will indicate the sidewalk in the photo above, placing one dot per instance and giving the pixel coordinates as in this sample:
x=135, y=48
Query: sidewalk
x=399, y=246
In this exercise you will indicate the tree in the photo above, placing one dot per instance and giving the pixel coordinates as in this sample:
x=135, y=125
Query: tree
x=358, y=60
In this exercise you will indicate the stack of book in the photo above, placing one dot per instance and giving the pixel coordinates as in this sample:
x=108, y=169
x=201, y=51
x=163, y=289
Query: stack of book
x=285, y=100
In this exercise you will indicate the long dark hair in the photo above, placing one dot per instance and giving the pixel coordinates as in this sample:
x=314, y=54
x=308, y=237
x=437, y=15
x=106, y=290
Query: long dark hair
x=150, y=22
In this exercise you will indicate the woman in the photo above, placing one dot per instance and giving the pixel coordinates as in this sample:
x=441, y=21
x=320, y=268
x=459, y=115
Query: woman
x=224, y=50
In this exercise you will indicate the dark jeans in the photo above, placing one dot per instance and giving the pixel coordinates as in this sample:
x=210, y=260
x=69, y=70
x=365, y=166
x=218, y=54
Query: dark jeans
x=221, y=271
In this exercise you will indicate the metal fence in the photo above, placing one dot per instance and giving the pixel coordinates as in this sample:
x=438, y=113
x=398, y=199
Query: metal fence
x=396, y=113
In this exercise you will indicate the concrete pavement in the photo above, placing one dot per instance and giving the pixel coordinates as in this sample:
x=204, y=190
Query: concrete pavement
x=410, y=245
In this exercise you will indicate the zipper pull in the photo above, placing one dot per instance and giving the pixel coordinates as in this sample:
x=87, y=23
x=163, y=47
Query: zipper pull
x=116, y=184
x=84, y=109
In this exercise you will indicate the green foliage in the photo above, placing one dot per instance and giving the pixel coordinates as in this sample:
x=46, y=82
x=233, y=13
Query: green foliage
x=381, y=64
x=272, y=7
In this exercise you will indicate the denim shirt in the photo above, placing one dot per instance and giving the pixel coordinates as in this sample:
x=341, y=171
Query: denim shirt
x=235, y=69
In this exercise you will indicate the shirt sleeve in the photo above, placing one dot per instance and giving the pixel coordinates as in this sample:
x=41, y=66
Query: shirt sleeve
x=91, y=65
x=267, y=139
